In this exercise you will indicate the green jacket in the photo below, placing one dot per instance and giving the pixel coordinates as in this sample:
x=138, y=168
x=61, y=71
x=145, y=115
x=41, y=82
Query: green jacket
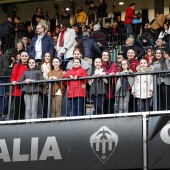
x=4, y=64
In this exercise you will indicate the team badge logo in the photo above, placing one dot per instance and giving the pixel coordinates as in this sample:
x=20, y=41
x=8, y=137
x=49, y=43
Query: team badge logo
x=103, y=143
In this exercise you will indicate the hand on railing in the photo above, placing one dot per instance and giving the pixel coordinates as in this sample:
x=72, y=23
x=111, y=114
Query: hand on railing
x=14, y=82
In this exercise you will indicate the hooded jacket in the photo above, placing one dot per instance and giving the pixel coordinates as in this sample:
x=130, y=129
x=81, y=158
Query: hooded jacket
x=143, y=83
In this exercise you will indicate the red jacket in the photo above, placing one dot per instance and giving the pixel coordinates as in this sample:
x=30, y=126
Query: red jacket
x=129, y=16
x=133, y=64
x=17, y=72
x=75, y=86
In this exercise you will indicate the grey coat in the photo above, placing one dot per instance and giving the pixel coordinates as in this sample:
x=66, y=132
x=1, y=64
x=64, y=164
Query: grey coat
x=118, y=84
x=164, y=78
x=33, y=75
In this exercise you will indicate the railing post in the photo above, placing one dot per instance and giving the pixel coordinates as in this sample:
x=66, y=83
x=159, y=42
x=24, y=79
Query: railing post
x=49, y=99
x=155, y=93
x=10, y=99
x=144, y=141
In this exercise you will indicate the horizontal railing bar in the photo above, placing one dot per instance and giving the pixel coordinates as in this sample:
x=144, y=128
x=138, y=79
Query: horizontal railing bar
x=86, y=117
x=88, y=77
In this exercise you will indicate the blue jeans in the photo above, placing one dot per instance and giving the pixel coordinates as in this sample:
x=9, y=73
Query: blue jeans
x=77, y=105
x=2, y=94
x=129, y=29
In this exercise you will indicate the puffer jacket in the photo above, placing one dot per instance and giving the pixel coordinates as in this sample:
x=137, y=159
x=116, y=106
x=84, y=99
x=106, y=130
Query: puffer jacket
x=143, y=83
x=33, y=75
x=75, y=88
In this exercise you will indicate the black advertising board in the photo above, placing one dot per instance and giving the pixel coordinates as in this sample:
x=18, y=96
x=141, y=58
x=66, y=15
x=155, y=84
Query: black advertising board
x=159, y=142
x=73, y=145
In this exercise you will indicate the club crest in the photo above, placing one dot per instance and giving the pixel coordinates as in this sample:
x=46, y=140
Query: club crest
x=103, y=143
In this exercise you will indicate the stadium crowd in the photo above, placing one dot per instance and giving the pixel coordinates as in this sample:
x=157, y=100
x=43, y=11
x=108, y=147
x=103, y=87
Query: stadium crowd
x=80, y=50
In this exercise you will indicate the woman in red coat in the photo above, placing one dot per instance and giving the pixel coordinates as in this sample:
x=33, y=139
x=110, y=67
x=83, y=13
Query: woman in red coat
x=17, y=72
x=76, y=89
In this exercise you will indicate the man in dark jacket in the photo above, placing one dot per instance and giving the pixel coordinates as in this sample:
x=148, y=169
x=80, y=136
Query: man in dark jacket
x=40, y=44
x=91, y=49
x=5, y=33
x=130, y=44
x=20, y=30
x=4, y=64
x=100, y=37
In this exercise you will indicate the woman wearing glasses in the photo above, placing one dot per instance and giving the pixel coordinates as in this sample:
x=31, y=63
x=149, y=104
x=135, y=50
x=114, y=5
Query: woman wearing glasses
x=150, y=56
x=163, y=81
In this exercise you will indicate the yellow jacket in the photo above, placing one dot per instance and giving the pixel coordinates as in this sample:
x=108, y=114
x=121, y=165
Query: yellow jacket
x=81, y=17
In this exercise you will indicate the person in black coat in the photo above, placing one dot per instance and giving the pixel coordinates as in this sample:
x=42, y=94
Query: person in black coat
x=39, y=12
x=6, y=32
x=20, y=30
x=91, y=49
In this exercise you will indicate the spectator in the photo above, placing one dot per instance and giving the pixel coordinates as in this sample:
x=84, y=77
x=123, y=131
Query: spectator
x=91, y=28
x=101, y=11
x=64, y=14
x=76, y=90
x=120, y=23
x=39, y=12
x=4, y=65
x=42, y=22
x=106, y=29
x=20, y=30
x=40, y=44
x=58, y=89
x=150, y=56
x=18, y=99
x=45, y=67
x=123, y=86
x=31, y=91
x=29, y=34
x=110, y=68
x=49, y=33
x=163, y=81
x=119, y=60
x=98, y=86
x=5, y=33
x=167, y=54
x=130, y=45
x=84, y=64
x=80, y=16
x=156, y=15
x=143, y=86
x=115, y=29
x=57, y=31
x=100, y=37
x=91, y=49
x=78, y=32
x=160, y=44
x=129, y=16
x=147, y=38
x=158, y=23
x=91, y=12
x=132, y=61
x=18, y=50
x=66, y=42
x=165, y=33
x=25, y=43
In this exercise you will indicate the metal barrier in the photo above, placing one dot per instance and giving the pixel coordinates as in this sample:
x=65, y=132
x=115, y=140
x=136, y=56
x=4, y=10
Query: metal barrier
x=106, y=97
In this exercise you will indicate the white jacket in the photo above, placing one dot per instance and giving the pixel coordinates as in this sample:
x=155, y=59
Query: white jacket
x=69, y=43
x=143, y=83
